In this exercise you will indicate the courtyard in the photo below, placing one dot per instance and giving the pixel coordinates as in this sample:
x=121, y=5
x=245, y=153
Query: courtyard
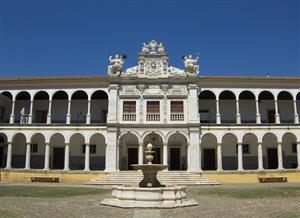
x=61, y=200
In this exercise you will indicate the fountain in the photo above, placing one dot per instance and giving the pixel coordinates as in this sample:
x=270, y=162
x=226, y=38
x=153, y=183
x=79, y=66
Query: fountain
x=150, y=193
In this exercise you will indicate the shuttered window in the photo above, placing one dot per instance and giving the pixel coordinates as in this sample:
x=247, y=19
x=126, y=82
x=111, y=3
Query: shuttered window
x=176, y=106
x=129, y=107
x=152, y=106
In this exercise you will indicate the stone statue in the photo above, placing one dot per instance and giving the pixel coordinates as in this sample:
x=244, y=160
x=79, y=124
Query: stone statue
x=153, y=47
x=191, y=66
x=23, y=116
x=116, y=65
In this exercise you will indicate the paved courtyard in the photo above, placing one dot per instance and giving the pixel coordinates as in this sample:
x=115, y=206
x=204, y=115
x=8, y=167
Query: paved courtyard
x=218, y=201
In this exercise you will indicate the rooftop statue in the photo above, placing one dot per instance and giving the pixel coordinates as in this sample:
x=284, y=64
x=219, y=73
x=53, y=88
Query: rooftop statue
x=153, y=47
x=116, y=65
x=191, y=66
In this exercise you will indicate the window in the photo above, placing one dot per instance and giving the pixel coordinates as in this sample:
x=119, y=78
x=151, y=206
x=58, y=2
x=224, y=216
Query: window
x=92, y=149
x=34, y=148
x=153, y=107
x=176, y=106
x=245, y=148
x=294, y=148
x=129, y=107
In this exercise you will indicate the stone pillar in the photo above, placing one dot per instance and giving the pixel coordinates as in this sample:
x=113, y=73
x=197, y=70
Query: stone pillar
x=240, y=157
x=260, y=156
x=238, y=115
x=111, y=150
x=30, y=113
x=140, y=112
x=87, y=157
x=277, y=116
x=258, y=121
x=193, y=151
x=219, y=157
x=68, y=119
x=298, y=155
x=113, y=104
x=27, y=160
x=200, y=157
x=47, y=154
x=296, y=115
x=166, y=114
x=67, y=157
x=165, y=153
x=88, y=115
x=8, y=155
x=49, y=112
x=218, y=116
x=279, y=153
x=12, y=114
x=141, y=153
x=193, y=108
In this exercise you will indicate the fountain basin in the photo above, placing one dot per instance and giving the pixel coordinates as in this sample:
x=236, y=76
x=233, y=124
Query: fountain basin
x=159, y=197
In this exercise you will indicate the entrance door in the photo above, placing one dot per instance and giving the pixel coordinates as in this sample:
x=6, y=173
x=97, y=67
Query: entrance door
x=209, y=159
x=1, y=156
x=272, y=158
x=132, y=157
x=174, y=158
x=58, y=158
x=156, y=159
x=271, y=116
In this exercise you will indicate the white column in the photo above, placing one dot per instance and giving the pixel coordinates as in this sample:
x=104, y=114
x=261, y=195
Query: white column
x=240, y=157
x=218, y=116
x=141, y=153
x=296, y=115
x=8, y=155
x=298, y=154
x=277, y=116
x=165, y=153
x=67, y=156
x=49, y=112
x=111, y=150
x=219, y=157
x=200, y=157
x=87, y=157
x=27, y=160
x=258, y=121
x=68, y=119
x=279, y=153
x=47, y=154
x=88, y=115
x=238, y=115
x=260, y=156
x=12, y=114
x=193, y=151
x=30, y=113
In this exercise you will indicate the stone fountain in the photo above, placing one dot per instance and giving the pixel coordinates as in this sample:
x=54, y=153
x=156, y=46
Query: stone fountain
x=150, y=193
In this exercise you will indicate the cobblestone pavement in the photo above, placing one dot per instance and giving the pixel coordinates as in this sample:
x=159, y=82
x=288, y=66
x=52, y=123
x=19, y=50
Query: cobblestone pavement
x=209, y=206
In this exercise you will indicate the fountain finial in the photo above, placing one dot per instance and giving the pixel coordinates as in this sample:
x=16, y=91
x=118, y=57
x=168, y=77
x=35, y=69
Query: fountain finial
x=149, y=153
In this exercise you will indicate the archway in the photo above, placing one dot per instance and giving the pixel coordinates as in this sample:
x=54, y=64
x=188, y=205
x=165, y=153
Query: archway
x=157, y=141
x=99, y=107
x=18, y=150
x=289, y=151
x=5, y=107
x=177, y=149
x=40, y=107
x=247, y=107
x=227, y=100
x=128, y=151
x=57, y=148
x=285, y=107
x=77, y=151
x=207, y=107
x=208, y=152
x=97, y=152
x=229, y=152
x=22, y=101
x=266, y=107
x=59, y=107
x=79, y=104
x=37, y=151
x=270, y=152
x=250, y=151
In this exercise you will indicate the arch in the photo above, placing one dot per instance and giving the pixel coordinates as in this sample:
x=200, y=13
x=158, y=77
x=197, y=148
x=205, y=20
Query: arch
x=57, y=135
x=169, y=134
x=98, y=153
x=18, y=150
x=227, y=99
x=226, y=94
x=37, y=159
x=246, y=94
x=207, y=106
x=229, y=151
x=23, y=99
x=23, y=95
x=136, y=134
x=266, y=95
x=79, y=94
x=284, y=95
x=266, y=107
x=250, y=151
x=285, y=107
x=99, y=94
x=79, y=104
x=206, y=94
x=60, y=94
x=289, y=150
x=6, y=99
x=208, y=152
x=99, y=107
x=59, y=108
x=128, y=151
x=41, y=95
x=40, y=107
x=247, y=107
x=57, y=148
x=77, y=150
x=145, y=134
x=177, y=145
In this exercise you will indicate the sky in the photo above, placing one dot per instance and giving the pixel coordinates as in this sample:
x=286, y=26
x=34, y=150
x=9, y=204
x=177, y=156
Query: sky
x=76, y=37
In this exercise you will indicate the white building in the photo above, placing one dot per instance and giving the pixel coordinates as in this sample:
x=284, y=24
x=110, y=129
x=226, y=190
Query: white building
x=196, y=123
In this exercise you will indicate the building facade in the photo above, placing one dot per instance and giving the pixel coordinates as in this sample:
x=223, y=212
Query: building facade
x=195, y=123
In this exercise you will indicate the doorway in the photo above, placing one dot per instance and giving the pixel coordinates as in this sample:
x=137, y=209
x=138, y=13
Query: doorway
x=174, y=158
x=209, y=159
x=58, y=158
x=132, y=157
x=272, y=158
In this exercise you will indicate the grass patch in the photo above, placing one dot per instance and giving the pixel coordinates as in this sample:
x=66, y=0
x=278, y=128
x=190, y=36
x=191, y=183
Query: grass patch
x=48, y=192
x=7, y=214
x=290, y=215
x=249, y=192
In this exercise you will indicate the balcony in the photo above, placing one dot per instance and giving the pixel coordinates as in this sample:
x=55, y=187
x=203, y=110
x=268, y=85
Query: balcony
x=176, y=117
x=153, y=117
x=129, y=117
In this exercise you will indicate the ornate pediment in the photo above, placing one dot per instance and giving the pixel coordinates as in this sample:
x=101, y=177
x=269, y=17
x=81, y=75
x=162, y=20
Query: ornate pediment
x=153, y=91
x=177, y=91
x=129, y=91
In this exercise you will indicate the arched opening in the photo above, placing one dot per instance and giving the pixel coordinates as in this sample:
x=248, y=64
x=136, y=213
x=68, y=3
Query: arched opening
x=289, y=151
x=250, y=151
x=22, y=101
x=208, y=152
x=157, y=141
x=227, y=104
x=59, y=107
x=18, y=150
x=266, y=107
x=270, y=152
x=3, y=150
x=5, y=106
x=37, y=151
x=99, y=107
x=77, y=151
x=207, y=107
x=57, y=151
x=177, y=149
x=79, y=107
x=285, y=107
x=229, y=152
x=97, y=152
x=40, y=107
x=128, y=151
x=247, y=107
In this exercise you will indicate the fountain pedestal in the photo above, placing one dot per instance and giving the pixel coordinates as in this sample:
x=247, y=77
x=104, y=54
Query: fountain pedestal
x=150, y=174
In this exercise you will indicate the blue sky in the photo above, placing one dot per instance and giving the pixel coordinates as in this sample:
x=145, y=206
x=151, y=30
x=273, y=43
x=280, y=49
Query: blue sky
x=75, y=37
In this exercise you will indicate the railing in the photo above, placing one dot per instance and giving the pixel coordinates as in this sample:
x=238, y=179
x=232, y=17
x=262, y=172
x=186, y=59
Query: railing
x=129, y=117
x=177, y=117
x=153, y=117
